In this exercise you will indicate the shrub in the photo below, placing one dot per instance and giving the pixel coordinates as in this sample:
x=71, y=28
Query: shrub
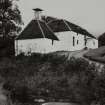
x=51, y=77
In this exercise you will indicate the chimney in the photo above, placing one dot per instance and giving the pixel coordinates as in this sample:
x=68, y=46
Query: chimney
x=37, y=13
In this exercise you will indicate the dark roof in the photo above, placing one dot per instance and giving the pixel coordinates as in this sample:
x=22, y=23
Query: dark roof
x=37, y=9
x=37, y=29
x=79, y=30
x=60, y=25
x=48, y=19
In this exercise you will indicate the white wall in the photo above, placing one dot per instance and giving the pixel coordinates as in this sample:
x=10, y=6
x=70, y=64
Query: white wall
x=66, y=41
x=44, y=45
x=92, y=43
x=33, y=45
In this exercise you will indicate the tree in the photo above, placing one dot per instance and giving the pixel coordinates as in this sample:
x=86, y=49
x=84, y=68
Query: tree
x=10, y=18
x=101, y=40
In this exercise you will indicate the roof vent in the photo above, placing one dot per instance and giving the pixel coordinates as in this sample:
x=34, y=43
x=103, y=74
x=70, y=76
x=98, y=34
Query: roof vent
x=37, y=13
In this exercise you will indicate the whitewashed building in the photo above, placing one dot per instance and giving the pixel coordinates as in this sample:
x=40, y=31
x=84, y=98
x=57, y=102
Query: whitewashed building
x=55, y=35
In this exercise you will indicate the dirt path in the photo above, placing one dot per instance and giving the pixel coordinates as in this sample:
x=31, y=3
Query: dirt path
x=76, y=54
x=79, y=54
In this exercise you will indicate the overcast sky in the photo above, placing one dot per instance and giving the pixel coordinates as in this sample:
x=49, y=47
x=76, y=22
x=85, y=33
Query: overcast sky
x=90, y=14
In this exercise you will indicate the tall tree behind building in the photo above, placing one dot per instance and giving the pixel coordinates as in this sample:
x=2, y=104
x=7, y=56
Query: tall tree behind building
x=10, y=18
x=101, y=40
x=10, y=26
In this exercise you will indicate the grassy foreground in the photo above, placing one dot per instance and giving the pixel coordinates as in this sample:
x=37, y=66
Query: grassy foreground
x=52, y=78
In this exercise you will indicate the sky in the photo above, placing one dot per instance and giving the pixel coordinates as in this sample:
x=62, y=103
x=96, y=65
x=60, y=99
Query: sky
x=89, y=14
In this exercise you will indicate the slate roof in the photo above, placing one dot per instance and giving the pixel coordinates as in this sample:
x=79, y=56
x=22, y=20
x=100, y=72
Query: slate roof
x=48, y=19
x=60, y=25
x=49, y=25
x=37, y=29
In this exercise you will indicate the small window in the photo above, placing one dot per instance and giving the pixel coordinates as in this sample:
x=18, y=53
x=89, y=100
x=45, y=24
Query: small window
x=94, y=43
x=73, y=41
x=52, y=42
x=77, y=41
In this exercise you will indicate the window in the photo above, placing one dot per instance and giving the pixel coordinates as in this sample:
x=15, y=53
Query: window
x=77, y=41
x=73, y=41
x=52, y=42
x=94, y=43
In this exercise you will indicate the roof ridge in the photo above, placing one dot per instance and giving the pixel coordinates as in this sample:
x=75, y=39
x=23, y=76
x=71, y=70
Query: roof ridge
x=66, y=24
x=41, y=29
x=50, y=29
x=73, y=26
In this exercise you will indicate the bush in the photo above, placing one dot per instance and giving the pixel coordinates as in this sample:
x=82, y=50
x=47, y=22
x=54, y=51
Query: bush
x=51, y=77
